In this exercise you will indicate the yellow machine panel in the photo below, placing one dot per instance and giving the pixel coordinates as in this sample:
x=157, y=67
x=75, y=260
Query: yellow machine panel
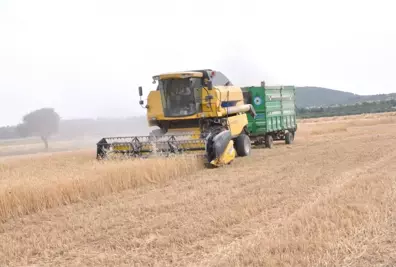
x=237, y=124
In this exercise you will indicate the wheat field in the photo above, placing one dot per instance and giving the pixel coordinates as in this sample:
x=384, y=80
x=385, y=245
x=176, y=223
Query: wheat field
x=326, y=200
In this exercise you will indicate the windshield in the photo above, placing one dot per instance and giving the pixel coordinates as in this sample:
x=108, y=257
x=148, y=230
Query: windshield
x=179, y=96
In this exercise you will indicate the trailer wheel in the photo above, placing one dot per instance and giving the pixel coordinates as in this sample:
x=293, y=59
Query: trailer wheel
x=269, y=141
x=289, y=138
x=242, y=145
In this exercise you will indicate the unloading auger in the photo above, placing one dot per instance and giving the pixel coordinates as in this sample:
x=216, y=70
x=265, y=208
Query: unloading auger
x=196, y=111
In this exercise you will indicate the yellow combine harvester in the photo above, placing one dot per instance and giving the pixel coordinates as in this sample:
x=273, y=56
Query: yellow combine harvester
x=197, y=110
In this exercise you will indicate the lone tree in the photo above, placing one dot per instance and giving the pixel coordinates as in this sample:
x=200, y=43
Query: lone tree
x=42, y=122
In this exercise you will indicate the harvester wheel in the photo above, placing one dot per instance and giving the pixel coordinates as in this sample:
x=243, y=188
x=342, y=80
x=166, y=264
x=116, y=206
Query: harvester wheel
x=242, y=145
x=269, y=141
x=289, y=138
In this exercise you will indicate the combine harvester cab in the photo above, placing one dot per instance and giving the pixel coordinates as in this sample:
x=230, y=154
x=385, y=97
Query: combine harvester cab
x=276, y=114
x=197, y=110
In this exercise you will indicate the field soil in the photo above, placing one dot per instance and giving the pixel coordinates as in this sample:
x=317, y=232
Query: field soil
x=326, y=200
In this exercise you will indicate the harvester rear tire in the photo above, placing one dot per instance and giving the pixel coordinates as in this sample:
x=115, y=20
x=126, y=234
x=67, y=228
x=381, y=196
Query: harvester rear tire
x=242, y=145
x=289, y=138
x=269, y=141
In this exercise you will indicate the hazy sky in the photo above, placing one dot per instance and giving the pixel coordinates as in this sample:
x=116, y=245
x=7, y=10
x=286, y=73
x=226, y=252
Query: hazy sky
x=86, y=58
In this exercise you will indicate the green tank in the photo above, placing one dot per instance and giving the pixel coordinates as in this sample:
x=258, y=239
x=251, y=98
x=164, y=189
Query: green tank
x=276, y=113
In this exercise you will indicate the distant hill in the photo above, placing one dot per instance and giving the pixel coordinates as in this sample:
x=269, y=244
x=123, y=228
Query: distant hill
x=321, y=97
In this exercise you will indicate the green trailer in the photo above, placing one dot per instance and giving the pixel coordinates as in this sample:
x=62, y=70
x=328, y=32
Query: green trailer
x=276, y=113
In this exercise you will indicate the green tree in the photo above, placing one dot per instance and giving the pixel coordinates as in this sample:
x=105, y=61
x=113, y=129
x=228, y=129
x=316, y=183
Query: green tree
x=42, y=122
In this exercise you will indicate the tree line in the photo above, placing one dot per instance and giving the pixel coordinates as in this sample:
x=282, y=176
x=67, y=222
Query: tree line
x=344, y=110
x=45, y=122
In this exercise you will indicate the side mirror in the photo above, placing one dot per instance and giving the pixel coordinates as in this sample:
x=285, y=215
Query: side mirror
x=140, y=94
x=210, y=85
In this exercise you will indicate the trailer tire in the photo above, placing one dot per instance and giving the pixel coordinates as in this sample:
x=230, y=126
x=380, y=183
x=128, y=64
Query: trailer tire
x=289, y=138
x=242, y=145
x=269, y=141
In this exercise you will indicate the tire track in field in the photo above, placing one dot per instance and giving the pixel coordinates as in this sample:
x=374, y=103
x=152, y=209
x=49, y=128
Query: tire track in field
x=202, y=213
x=184, y=223
x=236, y=252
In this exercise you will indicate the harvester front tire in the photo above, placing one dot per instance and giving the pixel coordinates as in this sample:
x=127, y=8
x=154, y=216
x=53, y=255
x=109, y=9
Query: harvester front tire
x=243, y=145
x=269, y=141
x=289, y=138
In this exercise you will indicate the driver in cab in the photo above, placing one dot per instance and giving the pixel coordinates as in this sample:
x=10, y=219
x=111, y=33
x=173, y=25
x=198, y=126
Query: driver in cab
x=185, y=97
